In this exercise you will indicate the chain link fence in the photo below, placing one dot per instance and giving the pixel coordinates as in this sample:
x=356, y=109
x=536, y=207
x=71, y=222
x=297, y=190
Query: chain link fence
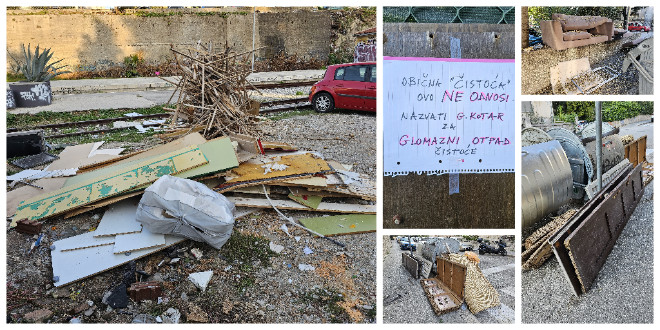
x=489, y=15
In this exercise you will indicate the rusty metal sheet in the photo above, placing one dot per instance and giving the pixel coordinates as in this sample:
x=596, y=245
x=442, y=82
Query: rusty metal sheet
x=584, y=243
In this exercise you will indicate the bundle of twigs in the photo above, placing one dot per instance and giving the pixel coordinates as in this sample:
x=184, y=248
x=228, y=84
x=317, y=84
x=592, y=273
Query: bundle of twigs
x=213, y=91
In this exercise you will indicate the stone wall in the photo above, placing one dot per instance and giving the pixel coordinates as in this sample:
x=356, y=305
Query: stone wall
x=92, y=40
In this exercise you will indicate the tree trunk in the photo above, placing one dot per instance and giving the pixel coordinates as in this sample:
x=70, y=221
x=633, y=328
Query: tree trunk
x=524, y=20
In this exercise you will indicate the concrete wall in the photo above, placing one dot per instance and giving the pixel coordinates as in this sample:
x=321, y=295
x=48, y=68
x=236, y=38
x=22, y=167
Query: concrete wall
x=90, y=41
x=434, y=40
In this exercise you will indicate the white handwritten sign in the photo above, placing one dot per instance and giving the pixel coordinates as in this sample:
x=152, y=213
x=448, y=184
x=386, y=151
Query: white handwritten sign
x=448, y=116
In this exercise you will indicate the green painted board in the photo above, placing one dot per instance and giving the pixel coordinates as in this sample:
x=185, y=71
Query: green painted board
x=341, y=224
x=100, y=187
x=221, y=156
x=219, y=152
x=310, y=201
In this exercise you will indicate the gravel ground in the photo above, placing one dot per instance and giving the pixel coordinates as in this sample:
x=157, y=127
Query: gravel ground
x=250, y=283
x=280, y=93
x=499, y=270
x=622, y=292
x=347, y=137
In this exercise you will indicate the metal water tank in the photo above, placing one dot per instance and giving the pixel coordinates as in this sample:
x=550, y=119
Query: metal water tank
x=547, y=181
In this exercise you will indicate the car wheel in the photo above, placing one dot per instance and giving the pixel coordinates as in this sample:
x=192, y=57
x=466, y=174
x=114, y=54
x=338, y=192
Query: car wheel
x=323, y=102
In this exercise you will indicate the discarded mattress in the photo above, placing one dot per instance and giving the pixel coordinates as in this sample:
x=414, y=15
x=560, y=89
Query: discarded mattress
x=187, y=208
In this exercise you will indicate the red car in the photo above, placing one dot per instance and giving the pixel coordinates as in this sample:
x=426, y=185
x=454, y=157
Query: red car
x=346, y=86
x=634, y=26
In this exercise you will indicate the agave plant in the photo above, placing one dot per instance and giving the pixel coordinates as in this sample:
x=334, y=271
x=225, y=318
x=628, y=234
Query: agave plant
x=36, y=67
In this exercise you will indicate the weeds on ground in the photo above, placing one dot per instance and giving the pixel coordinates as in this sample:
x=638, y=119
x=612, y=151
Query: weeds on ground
x=26, y=121
x=289, y=114
x=245, y=250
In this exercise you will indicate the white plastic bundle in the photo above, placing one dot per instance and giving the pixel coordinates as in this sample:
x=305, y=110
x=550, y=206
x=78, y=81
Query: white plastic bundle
x=186, y=208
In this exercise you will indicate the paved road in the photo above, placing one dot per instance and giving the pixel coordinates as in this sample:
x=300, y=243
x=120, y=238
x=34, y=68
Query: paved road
x=405, y=302
x=135, y=93
x=623, y=290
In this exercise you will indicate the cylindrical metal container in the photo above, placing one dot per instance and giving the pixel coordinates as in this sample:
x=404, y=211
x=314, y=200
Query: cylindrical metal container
x=613, y=152
x=533, y=135
x=547, y=181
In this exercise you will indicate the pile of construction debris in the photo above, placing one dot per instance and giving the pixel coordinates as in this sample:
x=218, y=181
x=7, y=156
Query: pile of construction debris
x=251, y=173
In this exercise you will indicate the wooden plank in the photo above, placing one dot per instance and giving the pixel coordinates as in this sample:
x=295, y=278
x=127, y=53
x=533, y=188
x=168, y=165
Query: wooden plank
x=126, y=179
x=291, y=205
x=597, y=231
x=75, y=265
x=306, y=182
x=220, y=154
x=153, y=153
x=102, y=203
x=119, y=219
x=310, y=201
x=341, y=224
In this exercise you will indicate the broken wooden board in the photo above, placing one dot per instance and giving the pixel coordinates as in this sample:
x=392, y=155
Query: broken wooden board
x=287, y=168
x=315, y=181
x=277, y=146
x=479, y=293
x=126, y=179
x=295, y=164
x=74, y=265
x=194, y=139
x=220, y=154
x=18, y=195
x=257, y=190
x=299, y=191
x=246, y=142
x=78, y=156
x=341, y=224
x=310, y=201
x=119, y=219
x=291, y=205
x=102, y=203
x=72, y=244
x=70, y=157
x=138, y=241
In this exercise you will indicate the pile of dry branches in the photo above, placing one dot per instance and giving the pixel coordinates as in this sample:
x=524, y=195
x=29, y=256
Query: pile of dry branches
x=213, y=91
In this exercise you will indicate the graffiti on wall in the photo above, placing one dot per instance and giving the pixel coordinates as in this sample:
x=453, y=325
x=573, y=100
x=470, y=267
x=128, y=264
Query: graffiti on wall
x=365, y=52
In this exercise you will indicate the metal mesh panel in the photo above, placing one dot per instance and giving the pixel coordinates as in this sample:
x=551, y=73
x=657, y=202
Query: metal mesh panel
x=489, y=15
x=435, y=14
x=396, y=14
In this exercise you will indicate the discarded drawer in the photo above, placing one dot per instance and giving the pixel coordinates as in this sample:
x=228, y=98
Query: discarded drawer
x=145, y=291
x=446, y=291
x=411, y=264
x=26, y=226
x=636, y=151
x=584, y=243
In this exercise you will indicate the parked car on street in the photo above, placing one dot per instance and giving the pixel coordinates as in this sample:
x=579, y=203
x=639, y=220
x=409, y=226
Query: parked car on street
x=636, y=26
x=405, y=245
x=346, y=86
